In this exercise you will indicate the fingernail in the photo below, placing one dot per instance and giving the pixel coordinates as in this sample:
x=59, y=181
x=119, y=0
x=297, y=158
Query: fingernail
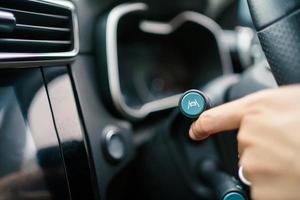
x=198, y=137
x=192, y=135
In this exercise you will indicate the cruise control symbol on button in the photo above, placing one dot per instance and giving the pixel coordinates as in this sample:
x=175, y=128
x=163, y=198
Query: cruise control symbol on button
x=193, y=103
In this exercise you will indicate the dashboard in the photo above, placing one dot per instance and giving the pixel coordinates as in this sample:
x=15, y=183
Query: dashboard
x=82, y=81
x=148, y=63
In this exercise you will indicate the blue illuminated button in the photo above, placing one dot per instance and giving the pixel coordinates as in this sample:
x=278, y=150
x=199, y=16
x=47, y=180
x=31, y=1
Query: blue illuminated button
x=193, y=103
x=234, y=196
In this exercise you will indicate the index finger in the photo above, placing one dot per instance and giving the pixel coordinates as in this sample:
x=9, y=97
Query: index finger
x=222, y=118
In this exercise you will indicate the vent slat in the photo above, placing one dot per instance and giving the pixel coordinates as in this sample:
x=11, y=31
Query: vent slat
x=33, y=6
x=9, y=40
x=38, y=19
x=36, y=46
x=34, y=13
x=38, y=33
x=23, y=27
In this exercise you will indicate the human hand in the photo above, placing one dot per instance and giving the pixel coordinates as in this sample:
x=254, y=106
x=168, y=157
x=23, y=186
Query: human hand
x=268, y=139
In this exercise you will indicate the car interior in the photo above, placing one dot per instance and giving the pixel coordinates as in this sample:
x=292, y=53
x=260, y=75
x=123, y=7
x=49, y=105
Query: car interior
x=89, y=93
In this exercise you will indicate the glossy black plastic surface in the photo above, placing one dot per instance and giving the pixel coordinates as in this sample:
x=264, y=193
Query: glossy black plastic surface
x=95, y=119
x=70, y=132
x=31, y=165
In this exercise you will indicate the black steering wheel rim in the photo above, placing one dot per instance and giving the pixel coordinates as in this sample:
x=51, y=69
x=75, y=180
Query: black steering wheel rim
x=278, y=26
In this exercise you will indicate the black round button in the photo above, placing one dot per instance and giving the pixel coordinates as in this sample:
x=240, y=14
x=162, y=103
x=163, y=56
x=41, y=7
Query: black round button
x=114, y=144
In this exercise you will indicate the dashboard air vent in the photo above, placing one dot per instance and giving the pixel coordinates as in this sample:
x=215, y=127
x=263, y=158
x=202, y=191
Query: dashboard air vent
x=37, y=30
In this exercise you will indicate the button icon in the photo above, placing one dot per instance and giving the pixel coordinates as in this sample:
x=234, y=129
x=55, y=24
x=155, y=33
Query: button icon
x=193, y=103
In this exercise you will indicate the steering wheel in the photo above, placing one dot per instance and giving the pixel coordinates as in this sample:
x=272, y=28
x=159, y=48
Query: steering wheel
x=278, y=26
